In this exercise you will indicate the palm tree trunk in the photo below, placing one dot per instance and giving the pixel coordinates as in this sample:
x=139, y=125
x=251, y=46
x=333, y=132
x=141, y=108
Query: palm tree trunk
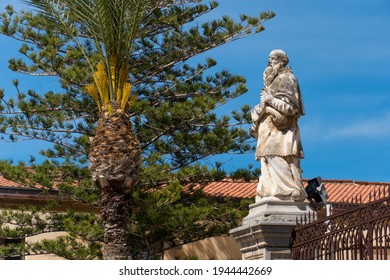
x=115, y=212
x=114, y=162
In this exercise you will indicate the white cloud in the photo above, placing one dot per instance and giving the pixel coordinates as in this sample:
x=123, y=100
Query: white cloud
x=374, y=127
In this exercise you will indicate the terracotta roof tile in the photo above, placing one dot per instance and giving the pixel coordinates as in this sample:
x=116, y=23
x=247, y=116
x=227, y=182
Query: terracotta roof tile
x=7, y=183
x=338, y=190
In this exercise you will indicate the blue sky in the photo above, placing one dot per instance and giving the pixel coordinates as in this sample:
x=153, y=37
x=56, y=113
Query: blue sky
x=340, y=53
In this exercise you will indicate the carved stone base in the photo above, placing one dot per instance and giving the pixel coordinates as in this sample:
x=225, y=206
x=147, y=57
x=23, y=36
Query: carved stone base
x=266, y=232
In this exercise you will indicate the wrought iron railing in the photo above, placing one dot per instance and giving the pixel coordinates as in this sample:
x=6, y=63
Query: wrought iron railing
x=361, y=232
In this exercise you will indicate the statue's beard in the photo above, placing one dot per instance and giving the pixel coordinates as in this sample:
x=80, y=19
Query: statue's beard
x=269, y=75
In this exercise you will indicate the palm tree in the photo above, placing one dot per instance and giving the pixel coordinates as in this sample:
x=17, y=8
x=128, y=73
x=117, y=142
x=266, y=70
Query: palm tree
x=115, y=156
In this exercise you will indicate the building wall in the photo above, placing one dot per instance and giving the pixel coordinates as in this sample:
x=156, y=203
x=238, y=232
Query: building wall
x=213, y=248
x=39, y=237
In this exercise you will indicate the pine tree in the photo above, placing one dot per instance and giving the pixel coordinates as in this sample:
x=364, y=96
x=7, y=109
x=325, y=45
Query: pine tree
x=135, y=82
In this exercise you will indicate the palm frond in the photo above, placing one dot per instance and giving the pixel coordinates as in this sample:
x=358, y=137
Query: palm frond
x=113, y=25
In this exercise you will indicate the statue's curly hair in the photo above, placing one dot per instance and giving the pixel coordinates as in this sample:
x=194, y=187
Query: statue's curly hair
x=280, y=54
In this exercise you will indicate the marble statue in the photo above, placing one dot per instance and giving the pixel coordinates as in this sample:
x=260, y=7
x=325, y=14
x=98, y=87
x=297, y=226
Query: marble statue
x=275, y=126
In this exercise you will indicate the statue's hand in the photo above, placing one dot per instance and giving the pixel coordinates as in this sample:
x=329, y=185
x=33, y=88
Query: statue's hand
x=260, y=108
x=253, y=131
x=257, y=114
x=266, y=97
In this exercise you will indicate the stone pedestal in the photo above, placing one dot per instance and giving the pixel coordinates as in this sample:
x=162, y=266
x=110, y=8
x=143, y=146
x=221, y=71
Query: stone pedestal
x=265, y=233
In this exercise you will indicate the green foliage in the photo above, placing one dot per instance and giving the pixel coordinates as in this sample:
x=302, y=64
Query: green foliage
x=174, y=97
x=80, y=234
x=174, y=118
x=112, y=28
x=67, y=248
x=246, y=174
x=161, y=218
x=180, y=215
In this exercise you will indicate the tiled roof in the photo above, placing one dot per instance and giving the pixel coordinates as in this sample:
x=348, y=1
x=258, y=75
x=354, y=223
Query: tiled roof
x=230, y=188
x=338, y=190
x=347, y=190
x=14, y=195
x=7, y=183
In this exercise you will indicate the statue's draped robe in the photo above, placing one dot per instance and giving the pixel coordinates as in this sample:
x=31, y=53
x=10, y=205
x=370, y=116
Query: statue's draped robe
x=279, y=145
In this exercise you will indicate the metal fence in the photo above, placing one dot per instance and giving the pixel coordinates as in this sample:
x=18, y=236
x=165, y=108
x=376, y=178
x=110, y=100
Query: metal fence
x=360, y=232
